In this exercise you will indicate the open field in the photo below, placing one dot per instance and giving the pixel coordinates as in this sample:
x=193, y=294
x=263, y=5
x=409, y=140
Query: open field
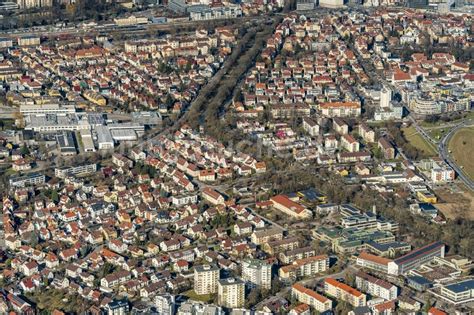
x=456, y=205
x=415, y=139
x=461, y=147
x=191, y=294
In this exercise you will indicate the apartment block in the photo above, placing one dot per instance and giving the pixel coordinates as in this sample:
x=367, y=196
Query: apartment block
x=375, y=286
x=231, y=293
x=317, y=301
x=205, y=279
x=257, y=273
x=343, y=292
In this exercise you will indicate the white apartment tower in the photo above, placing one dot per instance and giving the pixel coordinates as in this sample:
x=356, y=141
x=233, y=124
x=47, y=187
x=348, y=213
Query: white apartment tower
x=385, y=97
x=165, y=304
x=205, y=279
x=257, y=273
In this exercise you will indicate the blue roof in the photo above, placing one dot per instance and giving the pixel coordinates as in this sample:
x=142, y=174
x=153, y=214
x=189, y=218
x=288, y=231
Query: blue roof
x=461, y=286
x=419, y=280
x=311, y=194
x=386, y=246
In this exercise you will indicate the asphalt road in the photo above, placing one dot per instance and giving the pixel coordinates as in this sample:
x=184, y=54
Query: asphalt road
x=444, y=153
x=443, y=150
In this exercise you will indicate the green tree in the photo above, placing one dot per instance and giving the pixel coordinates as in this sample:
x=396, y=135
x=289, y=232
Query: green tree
x=24, y=150
x=54, y=196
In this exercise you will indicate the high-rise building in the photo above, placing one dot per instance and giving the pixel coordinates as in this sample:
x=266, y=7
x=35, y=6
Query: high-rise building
x=231, y=293
x=205, y=279
x=385, y=97
x=165, y=304
x=257, y=273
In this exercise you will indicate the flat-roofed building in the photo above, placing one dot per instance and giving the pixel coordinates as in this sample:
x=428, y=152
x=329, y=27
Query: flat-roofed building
x=205, y=279
x=87, y=141
x=66, y=143
x=459, y=292
x=231, y=293
x=29, y=40
x=104, y=138
x=27, y=180
x=75, y=170
x=26, y=109
x=257, y=273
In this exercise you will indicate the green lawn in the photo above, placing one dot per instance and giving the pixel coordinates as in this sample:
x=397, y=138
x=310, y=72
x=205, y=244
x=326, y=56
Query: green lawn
x=438, y=133
x=415, y=139
x=191, y=294
x=461, y=146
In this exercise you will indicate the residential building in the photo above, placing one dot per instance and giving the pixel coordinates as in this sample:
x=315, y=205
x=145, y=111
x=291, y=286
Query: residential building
x=205, y=279
x=343, y=292
x=260, y=237
x=30, y=4
x=387, y=148
x=340, y=109
x=85, y=169
x=165, y=304
x=257, y=273
x=29, y=40
x=349, y=143
x=231, y=293
x=310, y=126
x=366, y=133
x=305, y=267
x=317, y=301
x=27, y=180
x=117, y=307
x=376, y=287
x=212, y=196
x=340, y=126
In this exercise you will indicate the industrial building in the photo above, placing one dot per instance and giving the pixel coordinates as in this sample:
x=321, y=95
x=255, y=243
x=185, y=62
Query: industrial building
x=87, y=141
x=66, y=143
x=104, y=138
x=39, y=109
x=58, y=122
